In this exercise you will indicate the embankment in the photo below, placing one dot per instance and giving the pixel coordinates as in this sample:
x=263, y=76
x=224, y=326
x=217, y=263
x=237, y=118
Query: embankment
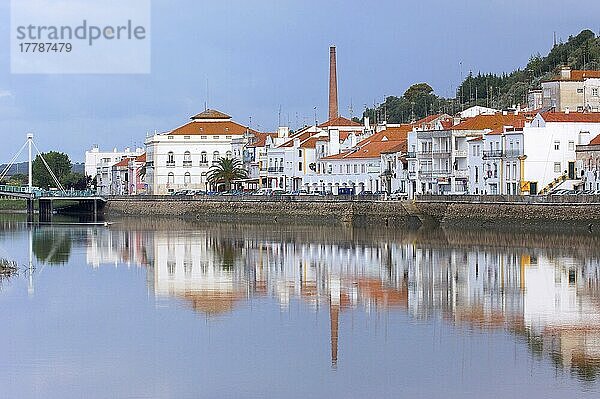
x=334, y=212
x=482, y=214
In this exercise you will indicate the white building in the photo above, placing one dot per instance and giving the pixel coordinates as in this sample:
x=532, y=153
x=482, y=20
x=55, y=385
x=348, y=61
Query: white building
x=588, y=164
x=181, y=158
x=549, y=149
x=98, y=164
x=573, y=90
x=372, y=165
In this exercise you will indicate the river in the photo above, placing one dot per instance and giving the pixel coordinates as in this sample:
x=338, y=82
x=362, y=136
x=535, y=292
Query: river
x=176, y=309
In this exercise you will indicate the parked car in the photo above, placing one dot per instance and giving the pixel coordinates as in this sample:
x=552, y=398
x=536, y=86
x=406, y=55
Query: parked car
x=365, y=193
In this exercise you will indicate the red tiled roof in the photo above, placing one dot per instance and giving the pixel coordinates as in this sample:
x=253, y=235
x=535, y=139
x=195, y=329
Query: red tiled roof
x=200, y=127
x=301, y=137
x=141, y=158
x=312, y=142
x=339, y=121
x=370, y=150
x=478, y=138
x=402, y=147
x=591, y=117
x=595, y=140
x=492, y=122
x=577, y=75
x=211, y=114
x=260, y=139
x=122, y=163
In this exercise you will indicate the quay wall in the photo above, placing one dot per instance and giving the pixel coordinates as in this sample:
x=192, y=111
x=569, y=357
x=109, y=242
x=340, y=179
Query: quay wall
x=333, y=212
x=501, y=214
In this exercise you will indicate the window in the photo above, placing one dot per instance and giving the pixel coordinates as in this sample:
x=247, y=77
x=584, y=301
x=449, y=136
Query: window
x=187, y=178
x=171, y=178
x=216, y=156
x=228, y=155
x=170, y=137
x=515, y=173
x=300, y=153
x=203, y=157
x=187, y=159
x=595, y=92
x=170, y=159
x=228, y=137
x=557, y=145
x=556, y=167
x=571, y=146
x=299, y=166
x=364, y=168
x=202, y=137
x=186, y=137
x=355, y=168
x=171, y=268
x=579, y=91
x=216, y=137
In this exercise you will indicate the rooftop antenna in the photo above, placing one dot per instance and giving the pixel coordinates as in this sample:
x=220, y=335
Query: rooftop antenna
x=554, y=39
x=351, y=109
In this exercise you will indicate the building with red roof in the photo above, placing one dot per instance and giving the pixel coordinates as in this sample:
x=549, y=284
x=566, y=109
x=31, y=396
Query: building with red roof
x=572, y=90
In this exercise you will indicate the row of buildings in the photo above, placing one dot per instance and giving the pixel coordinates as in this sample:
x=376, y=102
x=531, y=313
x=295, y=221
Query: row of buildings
x=547, y=145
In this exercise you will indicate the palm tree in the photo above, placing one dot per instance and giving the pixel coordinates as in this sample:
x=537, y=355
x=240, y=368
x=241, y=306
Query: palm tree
x=225, y=171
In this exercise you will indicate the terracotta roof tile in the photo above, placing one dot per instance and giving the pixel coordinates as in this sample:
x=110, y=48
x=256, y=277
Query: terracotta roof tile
x=141, y=158
x=339, y=121
x=200, y=127
x=211, y=114
x=260, y=139
x=492, y=122
x=595, y=140
x=592, y=117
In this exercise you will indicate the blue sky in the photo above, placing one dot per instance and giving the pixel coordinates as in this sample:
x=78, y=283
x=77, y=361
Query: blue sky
x=262, y=55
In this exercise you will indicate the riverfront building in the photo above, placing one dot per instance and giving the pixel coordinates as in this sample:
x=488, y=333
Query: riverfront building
x=99, y=164
x=181, y=158
x=572, y=90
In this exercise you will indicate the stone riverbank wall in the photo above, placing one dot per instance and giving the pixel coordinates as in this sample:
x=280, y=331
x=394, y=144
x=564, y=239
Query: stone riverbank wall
x=477, y=212
x=301, y=211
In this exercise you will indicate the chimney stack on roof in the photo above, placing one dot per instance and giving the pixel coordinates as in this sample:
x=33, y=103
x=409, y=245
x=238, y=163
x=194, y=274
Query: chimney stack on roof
x=333, y=95
x=565, y=73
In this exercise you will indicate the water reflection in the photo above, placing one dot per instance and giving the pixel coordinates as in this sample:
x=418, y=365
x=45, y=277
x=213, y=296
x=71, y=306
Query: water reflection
x=542, y=288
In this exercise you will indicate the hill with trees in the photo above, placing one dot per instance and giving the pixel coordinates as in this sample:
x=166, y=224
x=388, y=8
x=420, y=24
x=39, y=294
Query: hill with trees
x=492, y=90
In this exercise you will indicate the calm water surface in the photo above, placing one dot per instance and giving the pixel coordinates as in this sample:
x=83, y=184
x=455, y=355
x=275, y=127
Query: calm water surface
x=171, y=309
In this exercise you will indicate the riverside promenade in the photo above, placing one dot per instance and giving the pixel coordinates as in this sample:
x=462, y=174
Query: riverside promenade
x=535, y=212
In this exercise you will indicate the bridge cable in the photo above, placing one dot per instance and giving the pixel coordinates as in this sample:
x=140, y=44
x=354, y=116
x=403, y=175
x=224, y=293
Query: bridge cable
x=11, y=163
x=59, y=186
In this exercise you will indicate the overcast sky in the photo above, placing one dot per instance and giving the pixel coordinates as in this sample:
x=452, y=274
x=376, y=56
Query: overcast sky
x=260, y=56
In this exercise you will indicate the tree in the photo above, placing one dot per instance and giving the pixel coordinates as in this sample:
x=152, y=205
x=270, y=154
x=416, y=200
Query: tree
x=77, y=181
x=417, y=90
x=18, y=179
x=225, y=171
x=59, y=163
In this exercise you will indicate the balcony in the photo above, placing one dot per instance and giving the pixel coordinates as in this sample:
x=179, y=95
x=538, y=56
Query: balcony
x=513, y=153
x=460, y=153
x=492, y=154
x=187, y=164
x=204, y=164
x=441, y=153
x=440, y=172
x=273, y=169
x=170, y=164
x=426, y=154
x=411, y=154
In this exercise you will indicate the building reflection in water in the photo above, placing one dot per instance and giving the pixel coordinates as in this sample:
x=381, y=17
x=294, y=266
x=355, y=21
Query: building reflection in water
x=542, y=287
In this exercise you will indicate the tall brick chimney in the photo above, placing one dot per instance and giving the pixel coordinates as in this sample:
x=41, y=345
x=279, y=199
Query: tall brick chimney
x=333, y=96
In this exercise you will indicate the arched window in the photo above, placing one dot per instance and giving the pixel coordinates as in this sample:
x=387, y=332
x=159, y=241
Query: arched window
x=228, y=155
x=187, y=178
x=187, y=159
x=216, y=156
x=203, y=157
x=170, y=158
x=171, y=178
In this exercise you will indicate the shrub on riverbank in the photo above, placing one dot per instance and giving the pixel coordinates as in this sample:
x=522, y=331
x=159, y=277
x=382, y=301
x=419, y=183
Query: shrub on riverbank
x=13, y=205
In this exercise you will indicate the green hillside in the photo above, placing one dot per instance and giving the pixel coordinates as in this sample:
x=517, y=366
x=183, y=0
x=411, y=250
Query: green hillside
x=497, y=91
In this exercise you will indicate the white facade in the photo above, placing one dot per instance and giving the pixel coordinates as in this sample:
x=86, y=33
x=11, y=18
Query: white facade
x=549, y=147
x=181, y=158
x=98, y=164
